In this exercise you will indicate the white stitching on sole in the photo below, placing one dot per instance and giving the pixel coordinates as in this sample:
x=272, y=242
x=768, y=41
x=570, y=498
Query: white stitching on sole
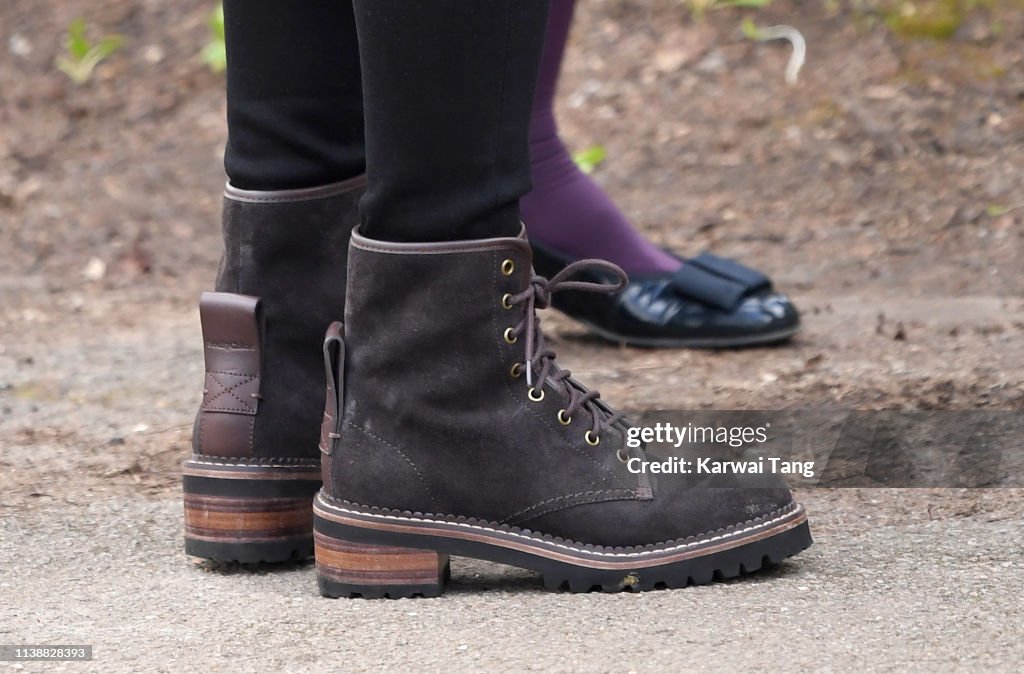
x=682, y=546
x=253, y=465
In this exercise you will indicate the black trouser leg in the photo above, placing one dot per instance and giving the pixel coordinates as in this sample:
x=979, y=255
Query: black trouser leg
x=448, y=86
x=295, y=108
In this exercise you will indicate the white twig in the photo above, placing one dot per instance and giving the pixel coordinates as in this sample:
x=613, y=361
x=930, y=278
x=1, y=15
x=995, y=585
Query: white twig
x=796, y=38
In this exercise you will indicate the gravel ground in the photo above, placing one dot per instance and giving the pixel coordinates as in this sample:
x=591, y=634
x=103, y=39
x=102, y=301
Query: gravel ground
x=927, y=596
x=909, y=579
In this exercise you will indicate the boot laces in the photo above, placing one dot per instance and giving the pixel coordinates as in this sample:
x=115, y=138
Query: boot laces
x=541, y=359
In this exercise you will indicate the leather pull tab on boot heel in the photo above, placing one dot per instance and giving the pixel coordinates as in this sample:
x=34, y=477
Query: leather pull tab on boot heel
x=231, y=390
x=334, y=364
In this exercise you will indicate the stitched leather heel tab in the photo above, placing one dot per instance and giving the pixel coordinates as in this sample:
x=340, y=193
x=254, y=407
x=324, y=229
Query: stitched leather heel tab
x=231, y=391
x=231, y=339
x=334, y=364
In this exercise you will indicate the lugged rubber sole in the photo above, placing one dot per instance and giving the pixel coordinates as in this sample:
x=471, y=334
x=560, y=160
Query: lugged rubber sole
x=249, y=512
x=373, y=554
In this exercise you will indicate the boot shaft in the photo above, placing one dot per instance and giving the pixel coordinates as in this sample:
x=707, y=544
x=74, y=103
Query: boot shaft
x=286, y=245
x=281, y=279
x=430, y=318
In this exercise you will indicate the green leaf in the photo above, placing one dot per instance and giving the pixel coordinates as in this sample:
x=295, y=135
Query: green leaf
x=746, y=4
x=107, y=46
x=588, y=159
x=82, y=57
x=995, y=210
x=216, y=22
x=214, y=54
x=77, y=44
x=750, y=29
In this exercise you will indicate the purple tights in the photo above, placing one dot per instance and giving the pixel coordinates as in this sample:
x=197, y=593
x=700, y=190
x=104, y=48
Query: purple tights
x=566, y=210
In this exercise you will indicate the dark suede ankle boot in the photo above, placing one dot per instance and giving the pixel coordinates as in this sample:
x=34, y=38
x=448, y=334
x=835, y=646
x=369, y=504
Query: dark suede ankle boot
x=450, y=430
x=249, y=484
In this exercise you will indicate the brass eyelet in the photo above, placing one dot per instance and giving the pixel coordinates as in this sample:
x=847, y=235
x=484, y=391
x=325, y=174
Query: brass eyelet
x=506, y=301
x=516, y=370
x=592, y=439
x=563, y=418
x=507, y=267
x=620, y=456
x=534, y=394
x=509, y=337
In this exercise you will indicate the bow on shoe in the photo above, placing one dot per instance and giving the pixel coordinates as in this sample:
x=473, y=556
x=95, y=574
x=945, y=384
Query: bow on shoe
x=718, y=281
x=538, y=296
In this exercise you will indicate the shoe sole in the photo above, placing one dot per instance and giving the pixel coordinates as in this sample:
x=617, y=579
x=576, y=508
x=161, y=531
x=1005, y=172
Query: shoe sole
x=375, y=555
x=764, y=339
x=247, y=512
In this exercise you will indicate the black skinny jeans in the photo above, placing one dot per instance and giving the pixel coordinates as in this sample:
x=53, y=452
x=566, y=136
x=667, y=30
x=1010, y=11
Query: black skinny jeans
x=446, y=86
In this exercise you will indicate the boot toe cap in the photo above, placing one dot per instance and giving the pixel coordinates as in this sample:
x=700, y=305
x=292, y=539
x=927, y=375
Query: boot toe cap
x=678, y=511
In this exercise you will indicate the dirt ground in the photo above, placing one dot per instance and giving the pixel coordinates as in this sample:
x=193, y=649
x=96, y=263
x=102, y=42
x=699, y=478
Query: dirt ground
x=884, y=192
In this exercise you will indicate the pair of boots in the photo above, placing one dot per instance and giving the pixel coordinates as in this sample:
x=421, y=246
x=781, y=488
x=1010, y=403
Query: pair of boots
x=447, y=428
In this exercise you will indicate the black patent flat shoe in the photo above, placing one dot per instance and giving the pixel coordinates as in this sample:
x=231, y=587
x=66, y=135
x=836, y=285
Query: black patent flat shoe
x=709, y=302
